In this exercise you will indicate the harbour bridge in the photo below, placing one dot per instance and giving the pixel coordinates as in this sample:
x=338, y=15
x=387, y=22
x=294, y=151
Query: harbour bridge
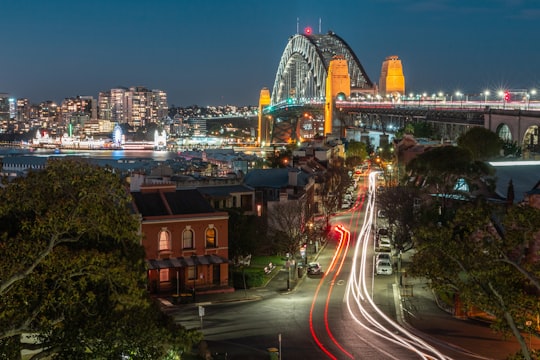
x=322, y=90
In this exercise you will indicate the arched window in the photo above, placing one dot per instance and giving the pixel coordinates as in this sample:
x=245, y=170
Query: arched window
x=187, y=239
x=211, y=237
x=164, y=240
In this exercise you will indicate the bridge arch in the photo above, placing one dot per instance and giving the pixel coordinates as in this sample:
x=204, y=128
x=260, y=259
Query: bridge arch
x=303, y=68
x=530, y=140
x=515, y=125
x=504, y=132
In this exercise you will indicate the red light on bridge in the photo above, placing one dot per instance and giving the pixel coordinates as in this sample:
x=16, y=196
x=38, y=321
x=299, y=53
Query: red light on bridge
x=308, y=30
x=506, y=96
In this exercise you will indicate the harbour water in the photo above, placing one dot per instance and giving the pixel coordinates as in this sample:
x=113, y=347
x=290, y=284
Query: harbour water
x=94, y=154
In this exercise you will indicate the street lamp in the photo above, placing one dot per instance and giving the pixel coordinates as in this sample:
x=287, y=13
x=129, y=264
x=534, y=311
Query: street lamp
x=460, y=96
x=529, y=94
x=486, y=94
x=501, y=94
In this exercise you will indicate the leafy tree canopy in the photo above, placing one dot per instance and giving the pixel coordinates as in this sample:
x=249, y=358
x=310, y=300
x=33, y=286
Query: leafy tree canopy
x=483, y=143
x=482, y=254
x=443, y=166
x=398, y=205
x=72, y=269
x=356, y=152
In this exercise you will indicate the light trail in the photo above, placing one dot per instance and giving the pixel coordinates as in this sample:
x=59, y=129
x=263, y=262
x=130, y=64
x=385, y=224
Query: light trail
x=311, y=311
x=360, y=304
x=345, y=235
x=359, y=298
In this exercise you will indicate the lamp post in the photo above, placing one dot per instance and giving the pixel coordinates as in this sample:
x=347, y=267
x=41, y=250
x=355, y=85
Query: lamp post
x=501, y=94
x=460, y=96
x=529, y=94
x=486, y=94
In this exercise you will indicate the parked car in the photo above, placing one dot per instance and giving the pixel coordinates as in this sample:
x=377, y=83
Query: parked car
x=345, y=205
x=383, y=267
x=383, y=256
x=314, y=268
x=384, y=243
x=383, y=232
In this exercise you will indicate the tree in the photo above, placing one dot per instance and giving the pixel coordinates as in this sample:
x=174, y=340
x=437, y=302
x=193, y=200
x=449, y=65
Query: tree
x=286, y=220
x=243, y=239
x=484, y=263
x=511, y=148
x=510, y=193
x=398, y=204
x=356, y=153
x=334, y=184
x=420, y=129
x=444, y=170
x=72, y=267
x=483, y=143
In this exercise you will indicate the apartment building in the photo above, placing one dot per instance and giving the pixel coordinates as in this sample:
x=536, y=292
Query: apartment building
x=136, y=106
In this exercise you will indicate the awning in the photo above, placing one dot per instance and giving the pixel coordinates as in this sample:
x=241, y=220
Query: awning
x=182, y=262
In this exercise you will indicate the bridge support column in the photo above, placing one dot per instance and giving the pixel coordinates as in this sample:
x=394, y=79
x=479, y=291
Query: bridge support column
x=338, y=85
x=263, y=132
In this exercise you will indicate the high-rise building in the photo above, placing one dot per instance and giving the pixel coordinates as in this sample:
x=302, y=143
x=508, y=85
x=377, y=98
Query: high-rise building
x=23, y=110
x=4, y=108
x=136, y=106
x=76, y=112
x=392, y=81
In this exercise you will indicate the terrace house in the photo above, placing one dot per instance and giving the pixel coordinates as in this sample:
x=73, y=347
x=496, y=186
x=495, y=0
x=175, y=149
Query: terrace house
x=184, y=238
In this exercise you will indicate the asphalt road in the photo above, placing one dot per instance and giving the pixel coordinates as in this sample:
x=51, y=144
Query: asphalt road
x=315, y=321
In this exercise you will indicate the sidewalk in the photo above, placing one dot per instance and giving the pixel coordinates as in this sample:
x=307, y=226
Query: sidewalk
x=418, y=309
x=277, y=283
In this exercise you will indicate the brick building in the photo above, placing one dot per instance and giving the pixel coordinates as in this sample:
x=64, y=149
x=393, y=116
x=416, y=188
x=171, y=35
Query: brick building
x=185, y=239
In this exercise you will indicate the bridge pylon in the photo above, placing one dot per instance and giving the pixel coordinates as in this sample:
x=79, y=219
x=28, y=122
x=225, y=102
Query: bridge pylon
x=263, y=124
x=338, y=85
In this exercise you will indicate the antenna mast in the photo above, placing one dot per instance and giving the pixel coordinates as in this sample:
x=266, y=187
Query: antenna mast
x=320, y=25
x=298, y=25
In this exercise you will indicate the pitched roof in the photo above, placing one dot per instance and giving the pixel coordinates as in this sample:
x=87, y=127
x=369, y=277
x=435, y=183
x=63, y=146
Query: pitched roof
x=270, y=178
x=224, y=190
x=163, y=203
x=274, y=178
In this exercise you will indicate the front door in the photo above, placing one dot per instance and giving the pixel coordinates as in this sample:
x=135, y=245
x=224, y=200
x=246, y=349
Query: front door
x=216, y=274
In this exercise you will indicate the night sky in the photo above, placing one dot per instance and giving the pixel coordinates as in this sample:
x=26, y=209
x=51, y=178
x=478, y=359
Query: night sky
x=218, y=52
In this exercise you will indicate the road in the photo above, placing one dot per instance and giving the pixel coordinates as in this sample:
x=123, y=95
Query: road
x=345, y=313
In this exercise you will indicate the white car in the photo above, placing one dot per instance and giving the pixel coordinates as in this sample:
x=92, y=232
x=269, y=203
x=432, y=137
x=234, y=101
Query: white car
x=384, y=243
x=314, y=268
x=383, y=267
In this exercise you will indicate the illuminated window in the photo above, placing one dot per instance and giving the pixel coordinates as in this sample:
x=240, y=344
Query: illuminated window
x=211, y=237
x=187, y=239
x=164, y=275
x=164, y=240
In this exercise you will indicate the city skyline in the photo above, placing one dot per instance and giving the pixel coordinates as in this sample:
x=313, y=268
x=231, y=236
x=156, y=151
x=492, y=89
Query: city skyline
x=217, y=53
